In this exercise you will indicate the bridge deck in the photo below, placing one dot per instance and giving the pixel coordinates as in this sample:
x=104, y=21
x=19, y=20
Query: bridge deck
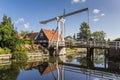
x=79, y=46
x=89, y=44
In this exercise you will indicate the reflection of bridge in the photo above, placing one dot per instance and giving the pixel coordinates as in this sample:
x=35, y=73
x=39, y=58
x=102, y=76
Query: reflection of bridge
x=96, y=72
x=104, y=69
x=58, y=71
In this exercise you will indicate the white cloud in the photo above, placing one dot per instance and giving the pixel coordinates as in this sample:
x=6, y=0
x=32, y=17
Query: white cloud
x=96, y=79
x=96, y=11
x=78, y=1
x=75, y=1
x=19, y=20
x=83, y=0
x=26, y=25
x=102, y=14
x=96, y=19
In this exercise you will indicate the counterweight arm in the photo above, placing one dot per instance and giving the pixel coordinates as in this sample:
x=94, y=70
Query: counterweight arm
x=65, y=15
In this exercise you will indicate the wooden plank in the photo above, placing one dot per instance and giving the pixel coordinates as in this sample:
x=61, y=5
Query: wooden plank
x=5, y=56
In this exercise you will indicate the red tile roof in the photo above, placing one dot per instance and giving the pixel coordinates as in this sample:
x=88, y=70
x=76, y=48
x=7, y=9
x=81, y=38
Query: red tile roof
x=49, y=69
x=50, y=34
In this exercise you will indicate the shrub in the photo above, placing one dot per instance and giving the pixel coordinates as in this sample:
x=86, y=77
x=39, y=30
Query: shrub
x=5, y=50
x=45, y=51
x=1, y=51
x=28, y=41
x=20, y=56
x=19, y=48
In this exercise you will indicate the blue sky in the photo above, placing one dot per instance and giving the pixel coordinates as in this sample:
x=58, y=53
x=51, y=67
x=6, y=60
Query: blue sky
x=26, y=14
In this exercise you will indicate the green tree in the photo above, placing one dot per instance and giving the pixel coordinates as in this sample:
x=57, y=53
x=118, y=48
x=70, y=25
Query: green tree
x=117, y=39
x=8, y=35
x=70, y=40
x=85, y=32
x=99, y=35
x=108, y=40
x=74, y=37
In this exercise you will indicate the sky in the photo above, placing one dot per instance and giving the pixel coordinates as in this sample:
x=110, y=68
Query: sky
x=104, y=15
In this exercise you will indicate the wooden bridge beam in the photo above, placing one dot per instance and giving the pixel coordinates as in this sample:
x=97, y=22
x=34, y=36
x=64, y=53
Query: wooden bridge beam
x=90, y=52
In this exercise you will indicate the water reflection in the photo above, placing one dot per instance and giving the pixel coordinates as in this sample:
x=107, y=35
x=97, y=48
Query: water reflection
x=10, y=70
x=61, y=68
x=100, y=63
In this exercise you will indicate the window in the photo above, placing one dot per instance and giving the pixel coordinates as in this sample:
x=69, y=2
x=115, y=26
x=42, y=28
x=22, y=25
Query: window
x=41, y=34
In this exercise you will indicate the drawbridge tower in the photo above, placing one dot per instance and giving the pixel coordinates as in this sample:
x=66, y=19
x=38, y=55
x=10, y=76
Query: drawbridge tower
x=61, y=33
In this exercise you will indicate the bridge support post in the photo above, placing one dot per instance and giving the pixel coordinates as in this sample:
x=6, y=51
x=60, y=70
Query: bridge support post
x=106, y=53
x=114, y=54
x=61, y=51
x=58, y=26
x=90, y=52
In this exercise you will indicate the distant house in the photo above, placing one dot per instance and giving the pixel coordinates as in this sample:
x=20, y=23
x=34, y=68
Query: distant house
x=32, y=35
x=45, y=36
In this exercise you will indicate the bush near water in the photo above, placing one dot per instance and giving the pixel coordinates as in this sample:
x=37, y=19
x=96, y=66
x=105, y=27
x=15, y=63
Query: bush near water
x=20, y=56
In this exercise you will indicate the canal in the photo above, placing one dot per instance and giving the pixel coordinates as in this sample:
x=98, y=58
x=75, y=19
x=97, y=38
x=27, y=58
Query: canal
x=67, y=67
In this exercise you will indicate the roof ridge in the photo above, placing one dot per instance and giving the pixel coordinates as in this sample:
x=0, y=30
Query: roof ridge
x=49, y=34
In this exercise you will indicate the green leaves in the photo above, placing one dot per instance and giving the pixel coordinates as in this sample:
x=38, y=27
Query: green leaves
x=20, y=56
x=85, y=32
x=117, y=39
x=99, y=35
x=8, y=35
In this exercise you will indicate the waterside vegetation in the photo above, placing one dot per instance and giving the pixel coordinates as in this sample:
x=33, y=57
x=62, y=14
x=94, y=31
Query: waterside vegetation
x=12, y=43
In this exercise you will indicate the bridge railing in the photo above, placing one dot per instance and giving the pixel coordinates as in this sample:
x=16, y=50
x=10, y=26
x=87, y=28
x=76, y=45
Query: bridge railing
x=61, y=43
x=114, y=44
x=101, y=44
x=92, y=43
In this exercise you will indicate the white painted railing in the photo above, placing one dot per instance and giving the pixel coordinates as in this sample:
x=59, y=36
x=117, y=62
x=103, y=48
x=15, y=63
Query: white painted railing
x=114, y=44
x=92, y=43
x=5, y=56
x=101, y=44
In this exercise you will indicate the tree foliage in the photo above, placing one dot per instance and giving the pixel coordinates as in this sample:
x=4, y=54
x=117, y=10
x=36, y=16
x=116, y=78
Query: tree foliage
x=8, y=35
x=5, y=50
x=117, y=39
x=85, y=32
x=70, y=40
x=99, y=35
x=28, y=41
x=20, y=56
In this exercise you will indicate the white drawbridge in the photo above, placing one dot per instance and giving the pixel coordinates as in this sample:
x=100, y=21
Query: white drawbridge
x=61, y=33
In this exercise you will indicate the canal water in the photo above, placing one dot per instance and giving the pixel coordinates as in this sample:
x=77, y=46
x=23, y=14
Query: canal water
x=72, y=67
